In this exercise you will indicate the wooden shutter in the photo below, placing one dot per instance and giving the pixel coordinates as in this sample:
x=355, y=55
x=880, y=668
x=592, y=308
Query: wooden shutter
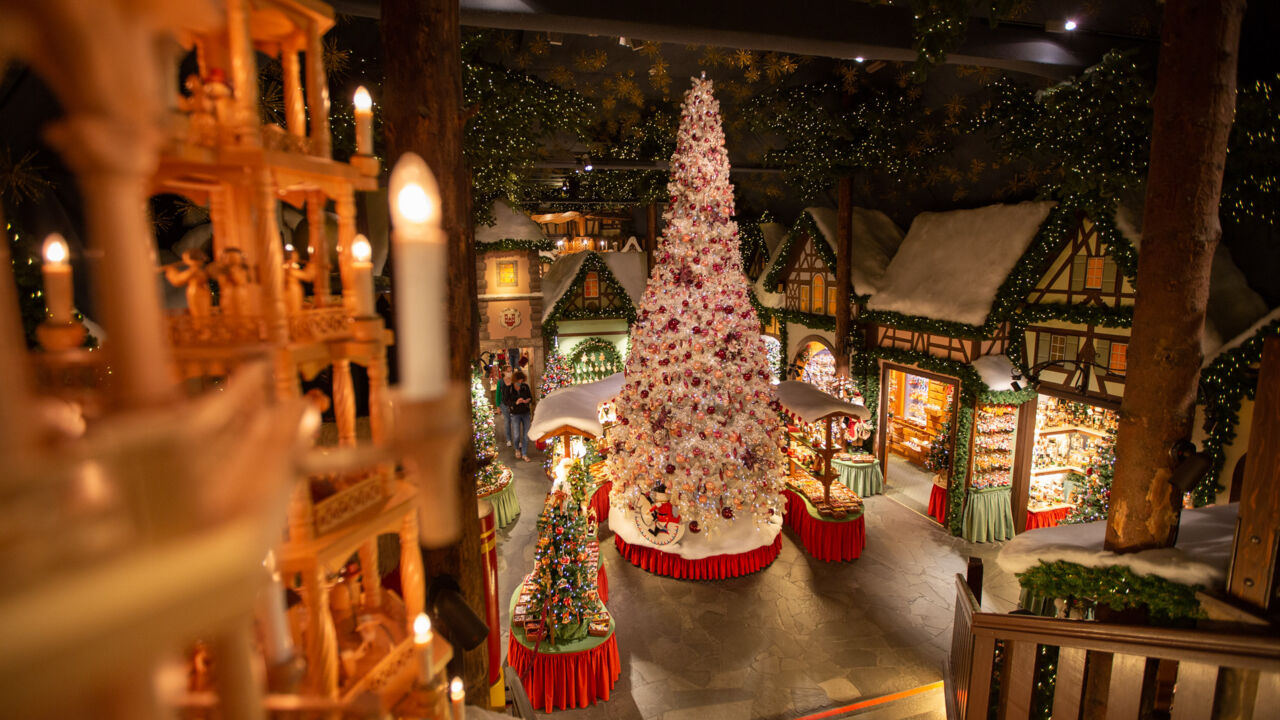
x=1079, y=266
x=1042, y=347
x=1073, y=344
x=1109, y=272
x=1102, y=352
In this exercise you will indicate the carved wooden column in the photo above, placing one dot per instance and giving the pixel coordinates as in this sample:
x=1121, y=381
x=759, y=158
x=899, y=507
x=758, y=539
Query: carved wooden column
x=318, y=241
x=345, y=206
x=273, y=307
x=377, y=371
x=322, y=638
x=318, y=94
x=1253, y=564
x=412, y=584
x=301, y=527
x=369, y=577
x=344, y=402
x=244, y=69
x=294, y=109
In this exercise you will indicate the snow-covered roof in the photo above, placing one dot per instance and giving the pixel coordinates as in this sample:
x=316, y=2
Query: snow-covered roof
x=628, y=268
x=509, y=224
x=1200, y=557
x=1239, y=339
x=996, y=371
x=812, y=404
x=574, y=406
x=876, y=240
x=773, y=234
x=951, y=264
x=1233, y=305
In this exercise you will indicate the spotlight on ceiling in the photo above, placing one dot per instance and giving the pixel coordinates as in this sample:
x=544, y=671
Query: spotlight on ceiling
x=1060, y=26
x=859, y=59
x=587, y=166
x=554, y=38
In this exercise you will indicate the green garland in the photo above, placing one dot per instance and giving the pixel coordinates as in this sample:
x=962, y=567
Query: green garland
x=803, y=226
x=959, y=470
x=510, y=244
x=917, y=323
x=595, y=344
x=1111, y=317
x=1223, y=386
x=561, y=311
x=1117, y=587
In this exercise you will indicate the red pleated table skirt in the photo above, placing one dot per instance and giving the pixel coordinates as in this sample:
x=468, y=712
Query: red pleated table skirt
x=831, y=541
x=559, y=681
x=938, y=504
x=716, y=567
x=602, y=583
x=1046, y=518
x=600, y=501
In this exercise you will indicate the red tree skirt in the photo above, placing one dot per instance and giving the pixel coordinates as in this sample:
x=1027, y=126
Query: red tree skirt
x=1046, y=518
x=600, y=501
x=829, y=541
x=716, y=567
x=566, y=680
x=938, y=504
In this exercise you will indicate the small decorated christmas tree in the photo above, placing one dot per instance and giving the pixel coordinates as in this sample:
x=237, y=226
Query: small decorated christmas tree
x=939, y=458
x=491, y=474
x=697, y=417
x=1094, y=496
x=564, y=595
x=555, y=373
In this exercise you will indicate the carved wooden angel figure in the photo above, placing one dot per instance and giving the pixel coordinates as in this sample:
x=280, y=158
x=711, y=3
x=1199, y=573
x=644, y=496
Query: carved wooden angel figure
x=202, y=127
x=233, y=280
x=196, y=278
x=296, y=273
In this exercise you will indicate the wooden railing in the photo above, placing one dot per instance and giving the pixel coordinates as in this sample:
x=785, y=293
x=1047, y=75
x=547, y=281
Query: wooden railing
x=1248, y=664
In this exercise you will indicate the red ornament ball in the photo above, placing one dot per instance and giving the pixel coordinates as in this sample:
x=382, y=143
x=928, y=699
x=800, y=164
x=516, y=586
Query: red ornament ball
x=694, y=527
x=726, y=513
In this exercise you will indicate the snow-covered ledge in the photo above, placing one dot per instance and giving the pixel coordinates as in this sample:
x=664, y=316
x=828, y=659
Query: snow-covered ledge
x=740, y=536
x=1200, y=557
x=574, y=406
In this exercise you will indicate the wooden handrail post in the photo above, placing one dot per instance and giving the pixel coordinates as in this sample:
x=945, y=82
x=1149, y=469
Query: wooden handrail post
x=973, y=578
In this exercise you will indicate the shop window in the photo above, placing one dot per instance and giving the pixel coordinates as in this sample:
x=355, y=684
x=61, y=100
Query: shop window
x=819, y=293
x=804, y=300
x=591, y=285
x=1093, y=273
x=507, y=274
x=1119, y=357
x=831, y=300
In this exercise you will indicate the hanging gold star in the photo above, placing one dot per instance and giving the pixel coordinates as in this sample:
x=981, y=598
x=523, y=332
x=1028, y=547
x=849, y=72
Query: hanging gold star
x=744, y=58
x=561, y=75
x=751, y=74
x=713, y=57
x=592, y=61
x=539, y=46
x=954, y=107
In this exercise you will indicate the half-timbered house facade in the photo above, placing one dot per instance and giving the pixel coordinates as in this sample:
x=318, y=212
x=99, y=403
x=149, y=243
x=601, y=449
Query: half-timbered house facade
x=592, y=295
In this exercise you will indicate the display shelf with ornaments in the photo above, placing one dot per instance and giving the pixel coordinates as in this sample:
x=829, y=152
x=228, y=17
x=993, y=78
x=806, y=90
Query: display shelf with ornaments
x=994, y=440
x=918, y=408
x=1072, y=439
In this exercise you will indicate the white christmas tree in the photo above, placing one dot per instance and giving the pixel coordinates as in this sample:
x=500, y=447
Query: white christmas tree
x=697, y=417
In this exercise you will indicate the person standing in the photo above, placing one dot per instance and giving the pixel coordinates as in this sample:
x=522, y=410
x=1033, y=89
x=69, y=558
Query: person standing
x=519, y=400
x=500, y=399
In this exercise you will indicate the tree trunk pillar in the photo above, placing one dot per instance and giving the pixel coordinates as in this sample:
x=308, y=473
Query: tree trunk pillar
x=1193, y=108
x=844, y=273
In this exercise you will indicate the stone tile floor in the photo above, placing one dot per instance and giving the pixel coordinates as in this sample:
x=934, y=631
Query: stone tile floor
x=799, y=637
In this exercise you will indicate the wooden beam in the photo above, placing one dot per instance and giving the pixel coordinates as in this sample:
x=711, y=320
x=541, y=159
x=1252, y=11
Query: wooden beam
x=844, y=272
x=1253, y=563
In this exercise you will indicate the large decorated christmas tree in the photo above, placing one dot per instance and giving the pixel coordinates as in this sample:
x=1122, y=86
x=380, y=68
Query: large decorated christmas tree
x=556, y=373
x=491, y=474
x=564, y=595
x=1094, y=496
x=697, y=418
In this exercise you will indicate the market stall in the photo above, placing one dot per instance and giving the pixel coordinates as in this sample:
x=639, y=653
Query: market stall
x=828, y=516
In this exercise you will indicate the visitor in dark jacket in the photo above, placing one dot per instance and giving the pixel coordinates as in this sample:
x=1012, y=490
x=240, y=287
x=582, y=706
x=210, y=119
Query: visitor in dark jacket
x=519, y=398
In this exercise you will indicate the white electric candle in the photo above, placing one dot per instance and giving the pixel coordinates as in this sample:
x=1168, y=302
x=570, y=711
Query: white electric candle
x=58, y=293
x=422, y=335
x=423, y=637
x=277, y=637
x=364, y=121
x=457, y=698
x=361, y=277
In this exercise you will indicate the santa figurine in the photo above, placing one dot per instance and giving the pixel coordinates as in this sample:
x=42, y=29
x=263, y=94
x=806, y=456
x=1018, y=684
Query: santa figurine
x=660, y=508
